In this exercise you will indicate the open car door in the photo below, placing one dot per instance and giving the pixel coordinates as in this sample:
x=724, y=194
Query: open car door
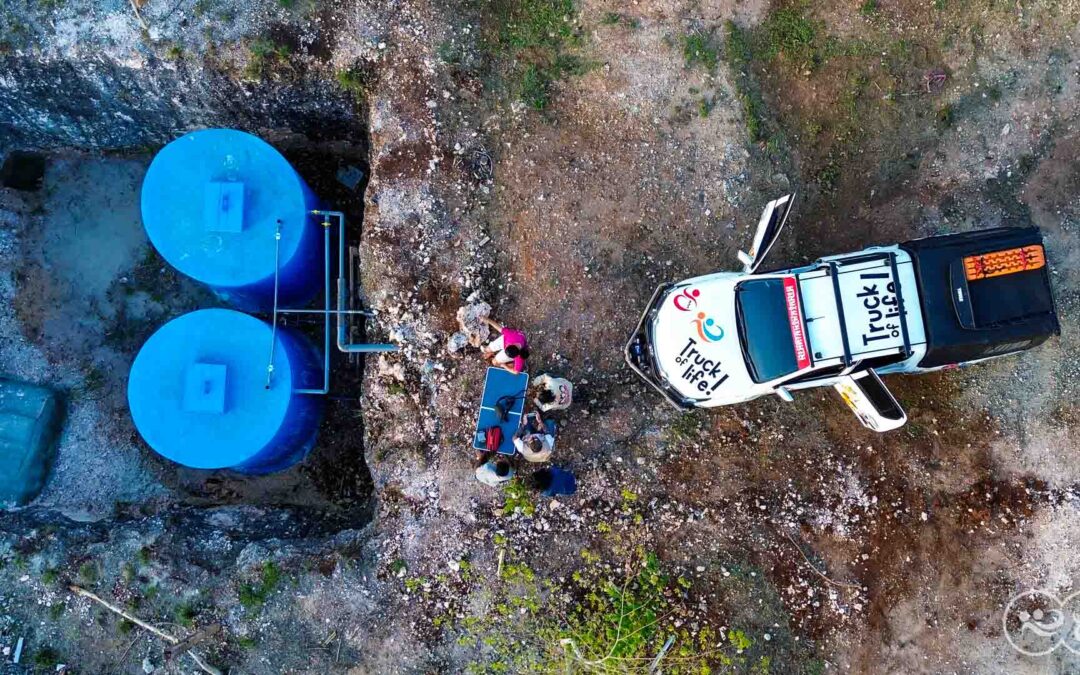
x=772, y=221
x=871, y=401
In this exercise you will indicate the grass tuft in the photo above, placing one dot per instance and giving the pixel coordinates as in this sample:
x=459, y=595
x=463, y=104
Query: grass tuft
x=699, y=48
x=354, y=80
x=88, y=574
x=946, y=116
x=739, y=52
x=255, y=595
x=536, y=38
x=787, y=31
x=537, y=24
x=185, y=614
x=265, y=57
x=518, y=499
x=46, y=658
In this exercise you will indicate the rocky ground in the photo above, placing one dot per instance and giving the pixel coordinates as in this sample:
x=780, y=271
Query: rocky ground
x=556, y=160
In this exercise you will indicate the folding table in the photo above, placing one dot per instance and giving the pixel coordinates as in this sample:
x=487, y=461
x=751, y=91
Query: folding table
x=501, y=384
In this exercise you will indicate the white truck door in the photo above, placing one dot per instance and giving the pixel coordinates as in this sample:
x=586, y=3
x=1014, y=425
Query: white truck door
x=871, y=401
x=772, y=222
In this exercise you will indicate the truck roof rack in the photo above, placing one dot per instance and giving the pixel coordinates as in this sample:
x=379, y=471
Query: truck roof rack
x=889, y=257
x=834, y=274
x=900, y=305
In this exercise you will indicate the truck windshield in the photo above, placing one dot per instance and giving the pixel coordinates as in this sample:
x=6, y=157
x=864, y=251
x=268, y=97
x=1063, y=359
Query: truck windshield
x=764, y=330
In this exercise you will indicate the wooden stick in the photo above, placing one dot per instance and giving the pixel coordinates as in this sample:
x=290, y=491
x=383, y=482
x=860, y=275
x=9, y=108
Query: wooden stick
x=185, y=645
x=207, y=668
x=123, y=656
x=145, y=626
x=798, y=548
x=138, y=15
x=133, y=619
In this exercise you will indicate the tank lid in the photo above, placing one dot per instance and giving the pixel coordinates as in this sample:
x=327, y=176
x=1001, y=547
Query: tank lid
x=197, y=389
x=212, y=202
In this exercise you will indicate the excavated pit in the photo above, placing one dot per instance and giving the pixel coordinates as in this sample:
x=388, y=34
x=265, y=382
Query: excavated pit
x=86, y=290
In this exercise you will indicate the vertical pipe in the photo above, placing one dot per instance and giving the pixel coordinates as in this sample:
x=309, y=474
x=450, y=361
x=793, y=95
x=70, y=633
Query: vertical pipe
x=273, y=324
x=340, y=309
x=341, y=282
x=341, y=299
x=326, y=306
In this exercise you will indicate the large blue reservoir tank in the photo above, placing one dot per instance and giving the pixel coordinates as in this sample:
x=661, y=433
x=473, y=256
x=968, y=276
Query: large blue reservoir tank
x=198, y=393
x=212, y=203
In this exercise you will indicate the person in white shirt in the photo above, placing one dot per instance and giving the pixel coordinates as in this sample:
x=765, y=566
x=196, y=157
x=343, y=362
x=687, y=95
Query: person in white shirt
x=533, y=439
x=495, y=473
x=556, y=393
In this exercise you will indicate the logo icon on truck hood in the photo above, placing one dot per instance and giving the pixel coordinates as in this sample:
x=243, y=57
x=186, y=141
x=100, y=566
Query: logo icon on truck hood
x=706, y=326
x=686, y=300
x=707, y=329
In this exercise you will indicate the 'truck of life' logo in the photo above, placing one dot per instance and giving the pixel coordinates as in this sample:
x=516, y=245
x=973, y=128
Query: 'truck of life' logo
x=1037, y=622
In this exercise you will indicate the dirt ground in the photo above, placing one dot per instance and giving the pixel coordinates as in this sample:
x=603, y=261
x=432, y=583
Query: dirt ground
x=923, y=534
x=790, y=539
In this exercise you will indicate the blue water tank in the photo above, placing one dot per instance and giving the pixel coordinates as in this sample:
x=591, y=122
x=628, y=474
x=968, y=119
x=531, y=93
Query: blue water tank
x=212, y=202
x=198, y=393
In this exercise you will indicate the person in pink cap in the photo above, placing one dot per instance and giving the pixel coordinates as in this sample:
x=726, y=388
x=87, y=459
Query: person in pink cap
x=509, y=350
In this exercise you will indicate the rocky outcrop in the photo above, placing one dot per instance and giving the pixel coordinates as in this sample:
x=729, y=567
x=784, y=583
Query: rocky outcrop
x=89, y=74
x=105, y=103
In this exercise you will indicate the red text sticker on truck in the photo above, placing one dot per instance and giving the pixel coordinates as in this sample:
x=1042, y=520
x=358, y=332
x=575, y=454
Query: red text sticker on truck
x=798, y=336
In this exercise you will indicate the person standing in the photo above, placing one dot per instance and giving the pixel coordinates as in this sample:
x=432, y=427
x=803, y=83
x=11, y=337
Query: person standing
x=534, y=439
x=495, y=473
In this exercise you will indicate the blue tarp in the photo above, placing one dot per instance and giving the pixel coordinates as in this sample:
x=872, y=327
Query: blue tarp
x=30, y=423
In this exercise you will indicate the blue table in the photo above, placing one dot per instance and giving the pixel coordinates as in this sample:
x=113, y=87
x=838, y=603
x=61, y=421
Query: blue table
x=500, y=383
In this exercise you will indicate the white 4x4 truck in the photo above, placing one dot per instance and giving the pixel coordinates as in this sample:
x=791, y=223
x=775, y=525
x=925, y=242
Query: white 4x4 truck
x=915, y=307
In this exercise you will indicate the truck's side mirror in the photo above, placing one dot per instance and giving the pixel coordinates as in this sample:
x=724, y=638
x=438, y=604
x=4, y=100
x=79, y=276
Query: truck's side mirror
x=784, y=394
x=871, y=401
x=771, y=223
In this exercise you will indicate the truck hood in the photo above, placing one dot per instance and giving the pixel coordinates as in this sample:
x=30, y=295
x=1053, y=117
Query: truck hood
x=696, y=342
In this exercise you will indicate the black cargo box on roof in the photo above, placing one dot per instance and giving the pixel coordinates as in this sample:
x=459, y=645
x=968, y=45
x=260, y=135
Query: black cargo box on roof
x=969, y=320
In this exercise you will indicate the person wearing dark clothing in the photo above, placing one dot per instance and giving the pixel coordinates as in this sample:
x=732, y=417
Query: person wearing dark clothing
x=552, y=482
